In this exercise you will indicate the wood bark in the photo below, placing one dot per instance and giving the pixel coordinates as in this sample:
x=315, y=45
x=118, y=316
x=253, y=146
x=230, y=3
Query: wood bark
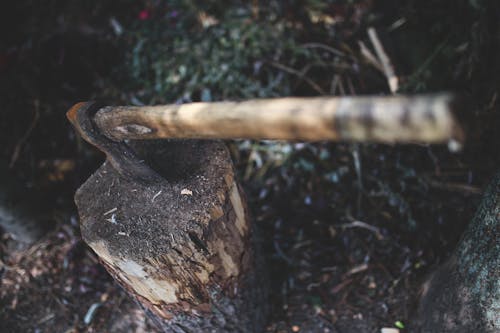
x=183, y=247
x=426, y=119
x=464, y=294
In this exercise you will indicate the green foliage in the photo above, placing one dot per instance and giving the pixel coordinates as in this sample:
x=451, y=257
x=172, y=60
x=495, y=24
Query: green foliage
x=189, y=52
x=399, y=324
x=177, y=57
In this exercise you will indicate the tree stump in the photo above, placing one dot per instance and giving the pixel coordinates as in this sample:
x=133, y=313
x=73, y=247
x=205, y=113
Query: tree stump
x=464, y=294
x=184, y=246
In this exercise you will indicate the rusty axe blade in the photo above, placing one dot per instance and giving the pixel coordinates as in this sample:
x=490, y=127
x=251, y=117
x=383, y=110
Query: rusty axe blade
x=119, y=154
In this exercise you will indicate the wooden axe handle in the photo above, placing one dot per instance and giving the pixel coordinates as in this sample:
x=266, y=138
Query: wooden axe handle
x=426, y=118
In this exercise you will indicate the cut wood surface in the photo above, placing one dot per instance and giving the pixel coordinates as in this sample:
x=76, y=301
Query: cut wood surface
x=427, y=118
x=183, y=247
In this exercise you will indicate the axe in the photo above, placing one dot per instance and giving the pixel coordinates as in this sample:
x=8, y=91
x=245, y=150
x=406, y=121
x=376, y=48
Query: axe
x=177, y=236
x=397, y=119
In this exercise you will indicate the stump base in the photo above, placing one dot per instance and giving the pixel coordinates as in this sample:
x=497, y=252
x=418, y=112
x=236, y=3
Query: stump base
x=183, y=247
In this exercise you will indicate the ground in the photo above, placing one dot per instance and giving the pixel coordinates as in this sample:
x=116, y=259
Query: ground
x=350, y=230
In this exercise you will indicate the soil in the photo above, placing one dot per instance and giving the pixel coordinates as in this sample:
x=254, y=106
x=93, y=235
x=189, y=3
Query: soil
x=350, y=231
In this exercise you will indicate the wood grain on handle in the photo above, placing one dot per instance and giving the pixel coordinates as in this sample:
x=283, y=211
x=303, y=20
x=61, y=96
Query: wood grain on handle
x=426, y=118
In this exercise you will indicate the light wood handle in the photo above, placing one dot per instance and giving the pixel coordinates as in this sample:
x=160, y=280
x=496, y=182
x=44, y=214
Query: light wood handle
x=426, y=118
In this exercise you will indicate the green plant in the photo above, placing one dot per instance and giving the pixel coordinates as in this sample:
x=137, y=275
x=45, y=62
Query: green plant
x=188, y=52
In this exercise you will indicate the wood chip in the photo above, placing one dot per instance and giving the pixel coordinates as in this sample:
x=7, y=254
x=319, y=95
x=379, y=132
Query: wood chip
x=110, y=211
x=112, y=219
x=389, y=330
x=186, y=192
x=357, y=269
x=90, y=313
x=155, y=196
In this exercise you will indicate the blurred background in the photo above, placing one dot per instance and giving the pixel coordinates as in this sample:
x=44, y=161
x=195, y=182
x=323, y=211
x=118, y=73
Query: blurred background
x=350, y=230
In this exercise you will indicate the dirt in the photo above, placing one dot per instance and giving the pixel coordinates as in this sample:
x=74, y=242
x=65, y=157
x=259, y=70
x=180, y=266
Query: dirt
x=330, y=271
x=52, y=286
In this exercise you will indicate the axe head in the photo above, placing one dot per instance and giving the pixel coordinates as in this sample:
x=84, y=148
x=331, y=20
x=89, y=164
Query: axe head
x=118, y=153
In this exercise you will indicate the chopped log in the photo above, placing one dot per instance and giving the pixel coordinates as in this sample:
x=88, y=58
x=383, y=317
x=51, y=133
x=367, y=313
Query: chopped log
x=463, y=295
x=183, y=247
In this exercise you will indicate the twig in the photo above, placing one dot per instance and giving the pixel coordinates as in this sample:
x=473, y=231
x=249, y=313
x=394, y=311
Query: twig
x=303, y=72
x=454, y=187
x=336, y=289
x=300, y=75
x=385, y=61
x=19, y=144
x=357, y=269
x=429, y=60
x=363, y=225
x=282, y=254
x=324, y=47
x=351, y=86
x=370, y=57
x=337, y=81
x=397, y=24
x=357, y=167
x=334, y=83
